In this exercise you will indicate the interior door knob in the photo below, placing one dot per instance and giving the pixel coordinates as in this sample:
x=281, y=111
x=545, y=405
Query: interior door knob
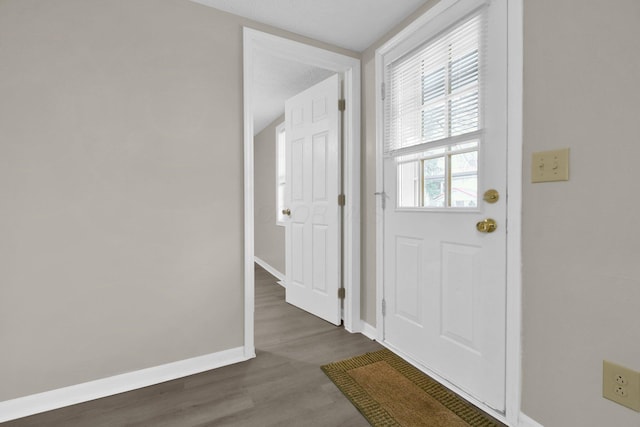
x=488, y=225
x=286, y=212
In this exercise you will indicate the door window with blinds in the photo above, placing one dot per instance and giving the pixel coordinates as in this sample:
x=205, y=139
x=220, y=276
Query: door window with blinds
x=433, y=118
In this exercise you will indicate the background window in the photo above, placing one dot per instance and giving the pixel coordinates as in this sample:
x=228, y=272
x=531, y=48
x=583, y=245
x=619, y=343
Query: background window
x=281, y=173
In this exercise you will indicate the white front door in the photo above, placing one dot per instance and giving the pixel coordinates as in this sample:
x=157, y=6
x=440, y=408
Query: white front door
x=444, y=286
x=313, y=221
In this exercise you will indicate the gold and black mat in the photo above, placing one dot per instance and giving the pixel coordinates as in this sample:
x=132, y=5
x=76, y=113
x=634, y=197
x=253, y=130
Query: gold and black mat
x=390, y=392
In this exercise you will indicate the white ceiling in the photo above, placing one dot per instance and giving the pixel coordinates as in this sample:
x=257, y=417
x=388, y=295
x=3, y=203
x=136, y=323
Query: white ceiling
x=351, y=24
x=276, y=80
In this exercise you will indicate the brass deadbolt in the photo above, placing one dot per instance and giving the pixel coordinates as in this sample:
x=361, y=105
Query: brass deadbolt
x=491, y=196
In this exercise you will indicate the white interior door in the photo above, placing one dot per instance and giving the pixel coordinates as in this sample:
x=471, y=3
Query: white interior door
x=444, y=286
x=313, y=226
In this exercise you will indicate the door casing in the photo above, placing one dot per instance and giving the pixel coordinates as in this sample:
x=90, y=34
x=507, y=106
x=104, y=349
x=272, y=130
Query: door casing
x=349, y=67
x=514, y=198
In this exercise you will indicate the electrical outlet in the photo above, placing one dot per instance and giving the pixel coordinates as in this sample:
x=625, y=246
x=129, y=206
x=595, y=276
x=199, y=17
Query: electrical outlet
x=620, y=391
x=620, y=384
x=550, y=166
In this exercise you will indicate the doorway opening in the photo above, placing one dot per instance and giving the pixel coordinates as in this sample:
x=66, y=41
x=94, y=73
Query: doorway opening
x=260, y=43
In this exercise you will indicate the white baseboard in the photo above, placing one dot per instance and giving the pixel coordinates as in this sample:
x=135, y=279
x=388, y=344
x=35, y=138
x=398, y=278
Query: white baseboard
x=525, y=421
x=262, y=263
x=369, y=331
x=79, y=393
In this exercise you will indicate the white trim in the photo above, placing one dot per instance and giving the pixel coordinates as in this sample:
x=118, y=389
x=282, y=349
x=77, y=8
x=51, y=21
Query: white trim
x=249, y=242
x=515, y=47
x=350, y=68
x=381, y=199
x=275, y=273
x=525, y=421
x=79, y=393
x=402, y=40
x=368, y=331
x=514, y=196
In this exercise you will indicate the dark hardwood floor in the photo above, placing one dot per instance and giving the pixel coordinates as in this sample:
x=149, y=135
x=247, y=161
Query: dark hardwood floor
x=283, y=386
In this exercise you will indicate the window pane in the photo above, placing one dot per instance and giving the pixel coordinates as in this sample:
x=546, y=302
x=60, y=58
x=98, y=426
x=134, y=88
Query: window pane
x=433, y=85
x=464, y=70
x=281, y=157
x=464, y=114
x=434, y=123
x=409, y=185
x=464, y=179
x=280, y=201
x=464, y=163
x=434, y=183
x=281, y=171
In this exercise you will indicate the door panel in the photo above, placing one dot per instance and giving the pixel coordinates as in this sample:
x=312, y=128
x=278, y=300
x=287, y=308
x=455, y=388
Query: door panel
x=313, y=229
x=460, y=276
x=408, y=278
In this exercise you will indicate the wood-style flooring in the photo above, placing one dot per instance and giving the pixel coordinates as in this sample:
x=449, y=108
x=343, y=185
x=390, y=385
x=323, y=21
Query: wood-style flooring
x=282, y=386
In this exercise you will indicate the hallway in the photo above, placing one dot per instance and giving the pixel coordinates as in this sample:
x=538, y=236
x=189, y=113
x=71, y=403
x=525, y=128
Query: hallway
x=283, y=386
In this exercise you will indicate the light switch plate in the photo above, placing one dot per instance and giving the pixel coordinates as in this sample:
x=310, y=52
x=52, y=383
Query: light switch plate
x=550, y=166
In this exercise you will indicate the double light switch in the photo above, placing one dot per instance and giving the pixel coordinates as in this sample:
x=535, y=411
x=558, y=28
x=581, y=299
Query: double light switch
x=550, y=166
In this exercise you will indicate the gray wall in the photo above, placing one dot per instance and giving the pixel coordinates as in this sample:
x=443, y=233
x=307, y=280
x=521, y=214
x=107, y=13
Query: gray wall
x=121, y=183
x=269, y=237
x=580, y=238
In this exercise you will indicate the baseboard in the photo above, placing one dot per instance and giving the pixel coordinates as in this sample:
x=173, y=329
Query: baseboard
x=262, y=263
x=525, y=421
x=79, y=393
x=369, y=331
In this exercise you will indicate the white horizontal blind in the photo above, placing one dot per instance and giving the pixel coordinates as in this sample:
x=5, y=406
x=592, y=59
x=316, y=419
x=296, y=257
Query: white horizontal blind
x=434, y=92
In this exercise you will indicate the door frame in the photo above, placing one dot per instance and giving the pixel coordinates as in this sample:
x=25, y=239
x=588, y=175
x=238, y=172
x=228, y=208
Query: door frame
x=350, y=68
x=514, y=200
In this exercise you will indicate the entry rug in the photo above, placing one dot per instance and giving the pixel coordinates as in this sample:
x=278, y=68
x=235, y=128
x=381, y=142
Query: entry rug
x=390, y=392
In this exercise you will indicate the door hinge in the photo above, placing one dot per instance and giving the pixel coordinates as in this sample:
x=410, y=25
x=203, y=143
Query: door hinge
x=342, y=200
x=342, y=104
x=341, y=293
x=383, y=90
x=384, y=307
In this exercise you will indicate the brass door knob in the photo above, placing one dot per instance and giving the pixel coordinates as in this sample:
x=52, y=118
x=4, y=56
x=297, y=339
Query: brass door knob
x=286, y=212
x=488, y=225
